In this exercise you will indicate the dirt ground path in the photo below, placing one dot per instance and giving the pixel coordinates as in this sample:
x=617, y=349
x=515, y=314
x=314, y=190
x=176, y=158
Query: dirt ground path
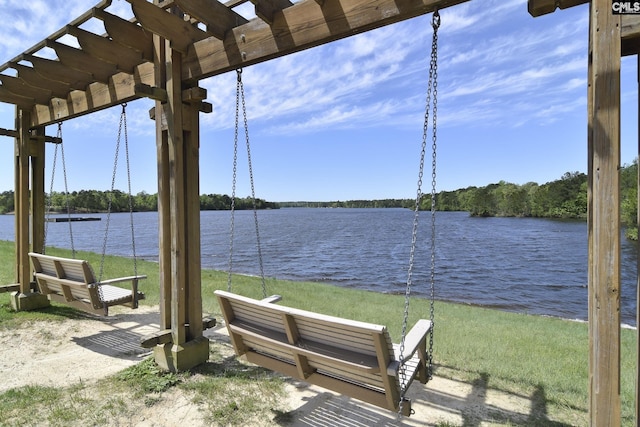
x=88, y=349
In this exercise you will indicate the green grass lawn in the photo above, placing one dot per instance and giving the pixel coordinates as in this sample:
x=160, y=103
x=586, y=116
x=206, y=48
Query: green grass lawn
x=540, y=357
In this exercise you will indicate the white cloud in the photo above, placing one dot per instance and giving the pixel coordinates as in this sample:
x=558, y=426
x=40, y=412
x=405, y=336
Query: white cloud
x=26, y=23
x=339, y=116
x=379, y=74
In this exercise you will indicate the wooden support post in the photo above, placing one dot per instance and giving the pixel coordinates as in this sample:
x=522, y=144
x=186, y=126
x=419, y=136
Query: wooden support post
x=175, y=147
x=23, y=119
x=179, y=210
x=164, y=208
x=191, y=224
x=638, y=260
x=604, y=215
x=25, y=299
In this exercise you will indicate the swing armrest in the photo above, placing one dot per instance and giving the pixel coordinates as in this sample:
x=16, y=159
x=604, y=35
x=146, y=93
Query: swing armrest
x=416, y=338
x=272, y=299
x=135, y=295
x=134, y=286
x=122, y=279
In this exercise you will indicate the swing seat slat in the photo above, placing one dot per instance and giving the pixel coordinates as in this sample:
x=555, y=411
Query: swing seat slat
x=352, y=358
x=72, y=282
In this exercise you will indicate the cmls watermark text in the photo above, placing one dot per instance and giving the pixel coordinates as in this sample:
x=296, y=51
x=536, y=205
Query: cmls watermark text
x=625, y=7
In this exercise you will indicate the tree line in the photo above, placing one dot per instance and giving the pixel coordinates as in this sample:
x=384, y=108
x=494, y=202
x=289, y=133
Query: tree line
x=383, y=203
x=565, y=198
x=84, y=201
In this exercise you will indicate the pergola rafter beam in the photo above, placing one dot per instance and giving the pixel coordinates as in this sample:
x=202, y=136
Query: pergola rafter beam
x=301, y=26
x=180, y=33
x=55, y=70
x=126, y=33
x=35, y=79
x=97, y=96
x=218, y=18
x=81, y=61
x=11, y=98
x=267, y=9
x=18, y=87
x=124, y=59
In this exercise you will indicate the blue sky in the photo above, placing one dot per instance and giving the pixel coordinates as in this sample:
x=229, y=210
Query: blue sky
x=344, y=121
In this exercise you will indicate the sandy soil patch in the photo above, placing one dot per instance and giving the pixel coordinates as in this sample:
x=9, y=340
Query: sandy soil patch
x=63, y=353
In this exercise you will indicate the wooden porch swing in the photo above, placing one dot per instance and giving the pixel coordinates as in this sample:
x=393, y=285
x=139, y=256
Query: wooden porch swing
x=72, y=281
x=349, y=357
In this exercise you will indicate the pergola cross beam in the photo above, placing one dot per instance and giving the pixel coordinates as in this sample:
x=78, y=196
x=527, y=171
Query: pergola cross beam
x=87, y=79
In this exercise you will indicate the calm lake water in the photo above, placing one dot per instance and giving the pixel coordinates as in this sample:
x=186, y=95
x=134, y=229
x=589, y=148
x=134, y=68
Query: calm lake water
x=525, y=265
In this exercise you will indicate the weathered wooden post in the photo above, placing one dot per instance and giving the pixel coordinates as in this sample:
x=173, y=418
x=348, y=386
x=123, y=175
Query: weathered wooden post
x=604, y=214
x=22, y=199
x=177, y=139
x=29, y=208
x=638, y=257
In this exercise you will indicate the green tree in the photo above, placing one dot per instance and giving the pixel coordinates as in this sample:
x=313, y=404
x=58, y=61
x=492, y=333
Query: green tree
x=7, y=202
x=629, y=196
x=483, y=202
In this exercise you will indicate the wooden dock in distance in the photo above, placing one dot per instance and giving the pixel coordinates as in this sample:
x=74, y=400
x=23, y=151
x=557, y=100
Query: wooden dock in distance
x=73, y=219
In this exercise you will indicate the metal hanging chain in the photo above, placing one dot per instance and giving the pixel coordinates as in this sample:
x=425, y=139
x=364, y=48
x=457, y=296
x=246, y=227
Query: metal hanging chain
x=434, y=146
x=50, y=196
x=126, y=153
x=432, y=91
x=240, y=98
x=233, y=187
x=121, y=126
x=66, y=194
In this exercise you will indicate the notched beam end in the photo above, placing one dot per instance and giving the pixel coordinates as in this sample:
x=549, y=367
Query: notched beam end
x=203, y=107
x=194, y=94
x=206, y=107
x=9, y=132
x=156, y=338
x=266, y=9
x=147, y=91
x=45, y=138
x=543, y=7
x=164, y=336
x=208, y=323
x=53, y=139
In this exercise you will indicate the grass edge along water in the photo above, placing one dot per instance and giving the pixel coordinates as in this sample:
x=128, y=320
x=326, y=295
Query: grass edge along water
x=527, y=355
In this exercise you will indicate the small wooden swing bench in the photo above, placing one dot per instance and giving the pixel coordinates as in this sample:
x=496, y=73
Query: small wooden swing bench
x=72, y=282
x=352, y=358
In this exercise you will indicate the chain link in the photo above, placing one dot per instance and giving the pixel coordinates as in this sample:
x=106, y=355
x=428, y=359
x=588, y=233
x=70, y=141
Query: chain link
x=66, y=194
x=431, y=93
x=234, y=180
x=67, y=202
x=50, y=197
x=126, y=151
x=110, y=199
x=434, y=67
x=240, y=97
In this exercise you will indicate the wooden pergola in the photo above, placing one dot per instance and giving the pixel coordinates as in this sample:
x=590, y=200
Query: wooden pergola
x=173, y=44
